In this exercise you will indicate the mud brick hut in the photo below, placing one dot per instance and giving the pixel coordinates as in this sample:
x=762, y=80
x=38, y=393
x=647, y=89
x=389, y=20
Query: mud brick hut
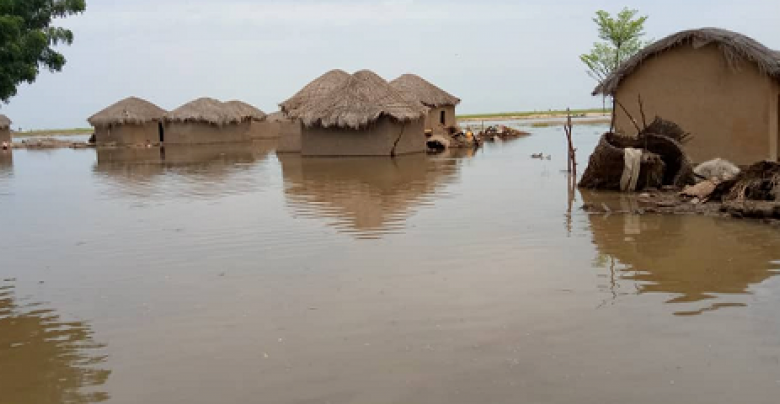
x=129, y=121
x=5, y=129
x=719, y=85
x=362, y=117
x=290, y=141
x=287, y=130
x=258, y=127
x=207, y=121
x=441, y=104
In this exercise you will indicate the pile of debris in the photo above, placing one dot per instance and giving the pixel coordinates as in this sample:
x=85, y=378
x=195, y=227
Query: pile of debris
x=491, y=133
x=455, y=138
x=653, y=159
x=50, y=143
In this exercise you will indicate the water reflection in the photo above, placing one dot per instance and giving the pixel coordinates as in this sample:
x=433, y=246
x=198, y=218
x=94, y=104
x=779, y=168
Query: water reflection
x=45, y=359
x=6, y=163
x=183, y=170
x=366, y=197
x=693, y=258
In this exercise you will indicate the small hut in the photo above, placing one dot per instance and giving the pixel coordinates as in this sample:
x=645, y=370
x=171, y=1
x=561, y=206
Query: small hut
x=441, y=104
x=362, y=117
x=205, y=121
x=722, y=86
x=130, y=121
x=5, y=129
x=290, y=129
x=258, y=127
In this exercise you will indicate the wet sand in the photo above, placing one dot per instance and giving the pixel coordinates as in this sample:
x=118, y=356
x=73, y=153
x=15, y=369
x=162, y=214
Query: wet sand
x=234, y=275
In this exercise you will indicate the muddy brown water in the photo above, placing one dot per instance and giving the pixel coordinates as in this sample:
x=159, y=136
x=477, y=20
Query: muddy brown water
x=229, y=274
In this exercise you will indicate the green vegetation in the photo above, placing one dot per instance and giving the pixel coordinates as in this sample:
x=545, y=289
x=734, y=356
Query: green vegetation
x=621, y=39
x=530, y=114
x=53, y=132
x=27, y=39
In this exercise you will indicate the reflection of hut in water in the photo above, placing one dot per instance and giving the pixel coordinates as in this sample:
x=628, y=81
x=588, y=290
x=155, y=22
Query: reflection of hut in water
x=693, y=258
x=362, y=117
x=441, y=104
x=719, y=85
x=208, y=121
x=363, y=195
x=203, y=170
x=45, y=359
x=5, y=129
x=290, y=129
x=130, y=121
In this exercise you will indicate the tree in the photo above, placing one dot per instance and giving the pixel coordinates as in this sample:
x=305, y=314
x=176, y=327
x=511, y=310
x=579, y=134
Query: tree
x=621, y=39
x=27, y=39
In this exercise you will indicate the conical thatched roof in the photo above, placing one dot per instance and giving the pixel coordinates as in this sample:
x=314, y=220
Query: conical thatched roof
x=360, y=101
x=132, y=110
x=206, y=110
x=417, y=89
x=734, y=47
x=245, y=110
x=317, y=88
x=5, y=123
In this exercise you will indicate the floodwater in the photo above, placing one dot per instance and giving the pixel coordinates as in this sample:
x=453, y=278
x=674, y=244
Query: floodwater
x=230, y=274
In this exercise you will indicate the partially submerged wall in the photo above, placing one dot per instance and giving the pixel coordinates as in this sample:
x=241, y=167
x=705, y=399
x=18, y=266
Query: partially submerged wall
x=379, y=139
x=204, y=133
x=128, y=134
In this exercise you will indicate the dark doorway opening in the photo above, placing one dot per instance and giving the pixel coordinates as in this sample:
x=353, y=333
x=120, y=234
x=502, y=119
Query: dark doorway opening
x=161, y=129
x=443, y=117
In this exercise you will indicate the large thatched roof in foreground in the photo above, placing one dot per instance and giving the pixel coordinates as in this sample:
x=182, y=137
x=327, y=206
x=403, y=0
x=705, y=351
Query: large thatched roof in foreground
x=417, y=89
x=360, y=101
x=319, y=87
x=734, y=47
x=245, y=110
x=208, y=110
x=132, y=110
x=5, y=123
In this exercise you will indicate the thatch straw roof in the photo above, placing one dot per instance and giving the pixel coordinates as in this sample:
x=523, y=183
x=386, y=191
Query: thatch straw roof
x=132, y=110
x=246, y=110
x=5, y=123
x=417, y=89
x=319, y=87
x=734, y=47
x=207, y=110
x=360, y=101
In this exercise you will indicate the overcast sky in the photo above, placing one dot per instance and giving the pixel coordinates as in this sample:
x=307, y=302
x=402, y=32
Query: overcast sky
x=495, y=55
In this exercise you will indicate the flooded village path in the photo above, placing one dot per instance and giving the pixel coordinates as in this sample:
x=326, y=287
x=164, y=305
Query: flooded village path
x=228, y=274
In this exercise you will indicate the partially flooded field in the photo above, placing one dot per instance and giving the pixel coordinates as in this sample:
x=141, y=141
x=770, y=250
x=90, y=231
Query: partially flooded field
x=230, y=274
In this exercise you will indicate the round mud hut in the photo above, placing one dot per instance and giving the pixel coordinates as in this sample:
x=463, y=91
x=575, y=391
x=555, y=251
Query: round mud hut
x=205, y=121
x=362, y=117
x=290, y=129
x=127, y=122
x=722, y=86
x=441, y=104
x=258, y=126
x=5, y=129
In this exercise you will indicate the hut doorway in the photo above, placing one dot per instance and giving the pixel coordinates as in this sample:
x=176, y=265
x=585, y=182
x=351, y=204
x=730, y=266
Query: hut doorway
x=443, y=117
x=161, y=130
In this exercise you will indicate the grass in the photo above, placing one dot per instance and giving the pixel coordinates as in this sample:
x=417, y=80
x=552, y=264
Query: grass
x=528, y=114
x=53, y=132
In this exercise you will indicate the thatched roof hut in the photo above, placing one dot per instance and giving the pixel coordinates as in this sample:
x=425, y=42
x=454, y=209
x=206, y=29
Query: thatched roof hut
x=363, y=99
x=416, y=89
x=5, y=122
x=212, y=111
x=207, y=120
x=733, y=46
x=247, y=111
x=311, y=92
x=130, y=111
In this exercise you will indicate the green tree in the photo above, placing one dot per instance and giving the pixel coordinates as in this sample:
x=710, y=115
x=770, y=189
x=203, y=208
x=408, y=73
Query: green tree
x=621, y=38
x=27, y=39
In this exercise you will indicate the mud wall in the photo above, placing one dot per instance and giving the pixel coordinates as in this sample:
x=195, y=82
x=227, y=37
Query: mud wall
x=204, y=133
x=127, y=134
x=376, y=140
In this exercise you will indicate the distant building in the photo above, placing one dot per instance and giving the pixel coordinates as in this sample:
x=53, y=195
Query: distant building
x=130, y=121
x=362, y=117
x=207, y=120
x=441, y=104
x=719, y=85
x=5, y=129
x=258, y=127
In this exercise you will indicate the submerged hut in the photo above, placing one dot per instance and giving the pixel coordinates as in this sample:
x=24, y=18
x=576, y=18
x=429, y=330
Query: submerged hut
x=290, y=128
x=720, y=85
x=130, y=121
x=441, y=104
x=207, y=120
x=5, y=129
x=258, y=127
x=362, y=117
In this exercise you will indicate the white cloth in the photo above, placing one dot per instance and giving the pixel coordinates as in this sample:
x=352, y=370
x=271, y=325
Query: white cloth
x=633, y=160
